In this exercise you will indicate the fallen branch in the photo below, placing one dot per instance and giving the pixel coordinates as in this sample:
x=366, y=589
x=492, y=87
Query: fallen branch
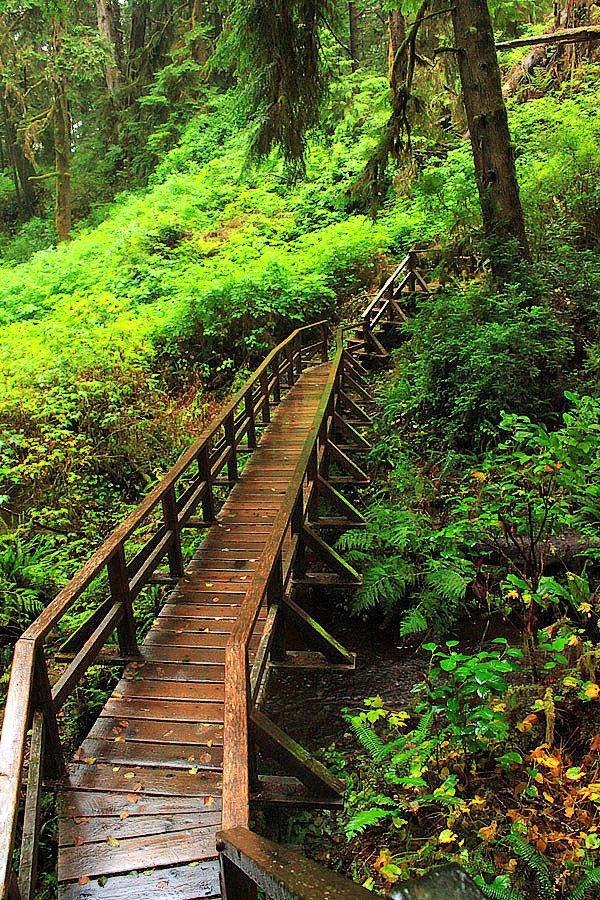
x=568, y=36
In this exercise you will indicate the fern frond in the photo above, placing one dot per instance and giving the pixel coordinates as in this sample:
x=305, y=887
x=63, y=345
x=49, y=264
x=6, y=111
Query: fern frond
x=384, y=584
x=588, y=888
x=365, y=818
x=536, y=862
x=414, y=622
x=366, y=736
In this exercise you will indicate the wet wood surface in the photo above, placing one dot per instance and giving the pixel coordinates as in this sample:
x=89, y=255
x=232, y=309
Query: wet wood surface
x=143, y=794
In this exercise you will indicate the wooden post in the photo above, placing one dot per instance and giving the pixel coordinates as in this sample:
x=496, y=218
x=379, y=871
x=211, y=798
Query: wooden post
x=208, y=505
x=277, y=381
x=299, y=363
x=169, y=505
x=232, y=470
x=299, y=569
x=119, y=591
x=275, y=585
x=412, y=265
x=325, y=339
x=31, y=818
x=235, y=885
x=289, y=349
x=264, y=389
x=251, y=431
x=53, y=759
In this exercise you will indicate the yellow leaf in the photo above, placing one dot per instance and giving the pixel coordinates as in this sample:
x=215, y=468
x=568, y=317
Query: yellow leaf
x=489, y=833
x=592, y=691
x=112, y=841
x=447, y=836
x=83, y=879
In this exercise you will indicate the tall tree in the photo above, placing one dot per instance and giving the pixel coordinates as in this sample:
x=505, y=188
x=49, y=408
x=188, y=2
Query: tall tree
x=354, y=34
x=21, y=165
x=109, y=29
x=62, y=138
x=275, y=47
x=493, y=155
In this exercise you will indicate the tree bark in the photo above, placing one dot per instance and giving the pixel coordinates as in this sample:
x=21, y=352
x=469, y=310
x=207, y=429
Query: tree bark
x=21, y=165
x=396, y=34
x=354, y=32
x=137, y=36
x=107, y=14
x=495, y=174
x=62, y=155
x=586, y=33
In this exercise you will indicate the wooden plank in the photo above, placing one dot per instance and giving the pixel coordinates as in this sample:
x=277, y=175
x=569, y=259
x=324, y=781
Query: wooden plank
x=132, y=753
x=170, y=690
x=89, y=804
x=136, y=853
x=164, y=782
x=168, y=710
x=177, y=883
x=93, y=830
x=158, y=731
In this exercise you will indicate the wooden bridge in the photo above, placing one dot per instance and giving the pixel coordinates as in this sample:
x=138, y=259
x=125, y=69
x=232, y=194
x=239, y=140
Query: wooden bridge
x=172, y=760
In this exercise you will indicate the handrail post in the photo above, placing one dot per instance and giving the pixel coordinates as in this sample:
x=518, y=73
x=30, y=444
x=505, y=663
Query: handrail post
x=264, y=389
x=289, y=350
x=251, y=428
x=119, y=590
x=297, y=523
x=232, y=469
x=275, y=585
x=208, y=505
x=412, y=265
x=53, y=754
x=325, y=342
x=299, y=342
x=277, y=381
x=171, y=516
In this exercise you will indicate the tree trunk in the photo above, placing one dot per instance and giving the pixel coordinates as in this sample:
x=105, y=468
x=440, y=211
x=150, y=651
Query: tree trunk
x=354, y=31
x=109, y=31
x=200, y=47
x=495, y=173
x=62, y=155
x=137, y=36
x=397, y=35
x=21, y=165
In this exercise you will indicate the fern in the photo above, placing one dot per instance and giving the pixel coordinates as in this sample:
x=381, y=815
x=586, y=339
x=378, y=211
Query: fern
x=536, y=862
x=414, y=622
x=449, y=581
x=588, y=887
x=498, y=892
x=366, y=736
x=384, y=584
x=365, y=818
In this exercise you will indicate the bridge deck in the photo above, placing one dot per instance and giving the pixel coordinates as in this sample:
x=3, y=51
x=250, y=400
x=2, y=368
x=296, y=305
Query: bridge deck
x=143, y=794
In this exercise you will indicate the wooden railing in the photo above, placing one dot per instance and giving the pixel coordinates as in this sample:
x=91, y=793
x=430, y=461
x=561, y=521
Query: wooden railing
x=249, y=862
x=123, y=566
x=385, y=306
x=281, y=556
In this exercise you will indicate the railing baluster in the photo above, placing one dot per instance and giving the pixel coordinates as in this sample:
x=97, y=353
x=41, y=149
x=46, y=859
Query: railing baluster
x=119, y=590
x=325, y=341
x=208, y=505
x=276, y=381
x=264, y=387
x=289, y=349
x=53, y=759
x=169, y=505
x=232, y=469
x=251, y=430
x=28, y=859
x=299, y=364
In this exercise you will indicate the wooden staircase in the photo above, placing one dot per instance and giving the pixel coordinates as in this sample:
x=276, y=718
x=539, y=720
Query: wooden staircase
x=173, y=757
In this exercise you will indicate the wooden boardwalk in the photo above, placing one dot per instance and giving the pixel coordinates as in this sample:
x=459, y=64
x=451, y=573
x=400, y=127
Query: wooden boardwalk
x=144, y=794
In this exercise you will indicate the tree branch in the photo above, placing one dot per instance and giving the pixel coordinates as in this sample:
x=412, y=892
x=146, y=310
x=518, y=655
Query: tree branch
x=569, y=36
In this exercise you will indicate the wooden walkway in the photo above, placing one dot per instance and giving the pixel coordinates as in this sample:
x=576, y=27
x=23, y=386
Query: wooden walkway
x=146, y=790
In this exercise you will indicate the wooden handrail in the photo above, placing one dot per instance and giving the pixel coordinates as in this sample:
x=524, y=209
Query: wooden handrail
x=29, y=692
